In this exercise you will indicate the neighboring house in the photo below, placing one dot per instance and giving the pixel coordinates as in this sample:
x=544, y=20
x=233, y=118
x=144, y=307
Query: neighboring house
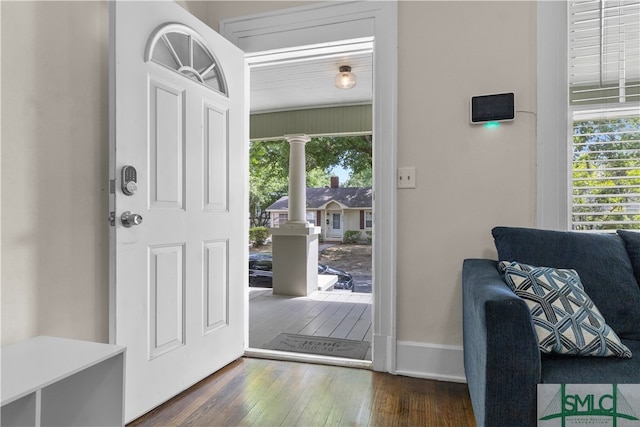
x=333, y=209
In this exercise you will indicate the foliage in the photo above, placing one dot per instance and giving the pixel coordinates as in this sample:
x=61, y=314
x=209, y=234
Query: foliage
x=318, y=178
x=268, y=179
x=363, y=178
x=369, y=236
x=258, y=235
x=350, y=152
x=606, y=174
x=269, y=168
x=351, y=236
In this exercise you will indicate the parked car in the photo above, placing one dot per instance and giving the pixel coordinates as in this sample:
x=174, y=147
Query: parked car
x=261, y=275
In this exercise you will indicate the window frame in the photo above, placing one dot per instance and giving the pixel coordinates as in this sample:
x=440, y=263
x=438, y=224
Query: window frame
x=159, y=41
x=368, y=219
x=280, y=218
x=618, y=101
x=311, y=216
x=552, y=130
x=553, y=143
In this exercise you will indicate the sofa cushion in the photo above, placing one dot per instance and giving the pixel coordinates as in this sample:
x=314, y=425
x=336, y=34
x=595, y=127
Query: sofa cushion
x=557, y=369
x=565, y=319
x=601, y=260
x=632, y=243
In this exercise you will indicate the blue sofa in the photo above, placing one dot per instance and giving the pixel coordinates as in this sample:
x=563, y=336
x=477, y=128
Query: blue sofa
x=503, y=363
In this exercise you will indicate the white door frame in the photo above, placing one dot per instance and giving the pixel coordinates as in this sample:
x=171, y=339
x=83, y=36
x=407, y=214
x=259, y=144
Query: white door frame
x=334, y=22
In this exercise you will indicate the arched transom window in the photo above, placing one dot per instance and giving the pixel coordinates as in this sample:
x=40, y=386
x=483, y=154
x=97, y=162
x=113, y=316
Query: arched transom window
x=182, y=49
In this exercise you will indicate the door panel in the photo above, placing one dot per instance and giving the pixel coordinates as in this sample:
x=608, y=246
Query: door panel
x=215, y=156
x=166, y=302
x=178, y=278
x=216, y=286
x=166, y=145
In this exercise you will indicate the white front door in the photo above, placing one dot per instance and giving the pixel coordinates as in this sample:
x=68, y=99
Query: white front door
x=178, y=272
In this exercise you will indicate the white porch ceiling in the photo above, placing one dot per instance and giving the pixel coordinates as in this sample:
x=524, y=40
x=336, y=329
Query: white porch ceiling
x=305, y=79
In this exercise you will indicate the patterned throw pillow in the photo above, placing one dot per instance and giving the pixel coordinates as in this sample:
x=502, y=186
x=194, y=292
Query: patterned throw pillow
x=565, y=319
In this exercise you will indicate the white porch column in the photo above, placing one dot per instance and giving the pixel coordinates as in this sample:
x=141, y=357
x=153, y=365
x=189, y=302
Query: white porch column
x=295, y=243
x=297, y=180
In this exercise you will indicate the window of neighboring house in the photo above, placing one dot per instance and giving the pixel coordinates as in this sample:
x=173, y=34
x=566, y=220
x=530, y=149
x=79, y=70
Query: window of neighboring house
x=604, y=110
x=311, y=217
x=280, y=218
x=368, y=220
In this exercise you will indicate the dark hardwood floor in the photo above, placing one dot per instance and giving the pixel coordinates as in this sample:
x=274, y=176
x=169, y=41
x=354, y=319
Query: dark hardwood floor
x=259, y=392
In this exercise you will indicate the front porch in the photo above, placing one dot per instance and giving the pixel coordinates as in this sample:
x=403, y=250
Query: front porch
x=334, y=314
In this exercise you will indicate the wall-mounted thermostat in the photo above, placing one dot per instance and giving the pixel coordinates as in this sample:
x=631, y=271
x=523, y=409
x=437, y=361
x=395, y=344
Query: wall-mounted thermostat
x=493, y=108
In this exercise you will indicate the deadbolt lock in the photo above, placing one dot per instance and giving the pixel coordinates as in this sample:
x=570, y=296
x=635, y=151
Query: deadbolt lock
x=129, y=180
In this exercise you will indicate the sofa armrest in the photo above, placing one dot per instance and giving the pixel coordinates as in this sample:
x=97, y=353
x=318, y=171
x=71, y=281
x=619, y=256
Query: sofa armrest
x=501, y=355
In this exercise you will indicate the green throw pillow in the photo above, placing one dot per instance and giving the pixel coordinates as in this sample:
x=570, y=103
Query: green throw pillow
x=564, y=317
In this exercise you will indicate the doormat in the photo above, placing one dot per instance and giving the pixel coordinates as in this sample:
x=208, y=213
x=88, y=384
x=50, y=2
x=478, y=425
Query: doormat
x=323, y=346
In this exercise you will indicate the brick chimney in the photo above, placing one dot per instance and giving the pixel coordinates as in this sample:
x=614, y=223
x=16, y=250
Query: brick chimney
x=335, y=182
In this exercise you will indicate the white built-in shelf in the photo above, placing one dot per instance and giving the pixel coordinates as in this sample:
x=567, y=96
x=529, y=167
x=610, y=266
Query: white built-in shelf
x=61, y=382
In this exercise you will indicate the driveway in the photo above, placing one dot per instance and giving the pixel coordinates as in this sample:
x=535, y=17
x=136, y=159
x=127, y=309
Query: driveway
x=362, y=284
x=354, y=258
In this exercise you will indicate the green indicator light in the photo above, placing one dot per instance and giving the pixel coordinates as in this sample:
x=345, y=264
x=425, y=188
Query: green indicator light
x=491, y=125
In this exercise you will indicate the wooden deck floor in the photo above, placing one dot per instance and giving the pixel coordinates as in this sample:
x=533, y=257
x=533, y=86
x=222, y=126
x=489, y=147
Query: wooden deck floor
x=336, y=314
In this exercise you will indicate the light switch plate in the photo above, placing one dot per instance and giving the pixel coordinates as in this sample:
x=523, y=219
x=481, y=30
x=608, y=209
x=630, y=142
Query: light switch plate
x=407, y=177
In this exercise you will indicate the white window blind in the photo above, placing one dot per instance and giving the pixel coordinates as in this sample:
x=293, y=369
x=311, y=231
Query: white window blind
x=604, y=97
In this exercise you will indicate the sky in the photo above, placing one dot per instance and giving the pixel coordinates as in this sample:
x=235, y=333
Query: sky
x=341, y=173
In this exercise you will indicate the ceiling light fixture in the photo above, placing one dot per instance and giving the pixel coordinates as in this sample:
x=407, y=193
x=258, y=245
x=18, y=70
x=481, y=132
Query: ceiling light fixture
x=345, y=78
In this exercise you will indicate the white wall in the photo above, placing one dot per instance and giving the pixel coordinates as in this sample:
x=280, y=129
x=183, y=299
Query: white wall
x=54, y=158
x=54, y=170
x=351, y=220
x=469, y=179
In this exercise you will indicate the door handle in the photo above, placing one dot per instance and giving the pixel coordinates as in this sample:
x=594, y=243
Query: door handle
x=130, y=219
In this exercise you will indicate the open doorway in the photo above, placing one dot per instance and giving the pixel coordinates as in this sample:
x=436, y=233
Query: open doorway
x=335, y=321
x=326, y=23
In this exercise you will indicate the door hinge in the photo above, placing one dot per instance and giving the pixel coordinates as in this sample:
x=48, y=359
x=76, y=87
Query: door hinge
x=112, y=186
x=112, y=219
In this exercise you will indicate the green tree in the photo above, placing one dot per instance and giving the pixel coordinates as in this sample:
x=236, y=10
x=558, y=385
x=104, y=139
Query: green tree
x=363, y=178
x=268, y=180
x=606, y=174
x=318, y=178
x=350, y=152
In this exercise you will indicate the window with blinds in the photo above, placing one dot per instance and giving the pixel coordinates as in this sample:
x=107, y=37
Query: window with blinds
x=604, y=97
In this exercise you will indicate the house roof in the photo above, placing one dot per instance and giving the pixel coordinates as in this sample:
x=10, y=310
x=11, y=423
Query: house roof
x=319, y=198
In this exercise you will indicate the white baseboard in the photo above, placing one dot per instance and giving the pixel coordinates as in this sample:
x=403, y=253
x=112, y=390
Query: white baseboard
x=383, y=355
x=430, y=361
